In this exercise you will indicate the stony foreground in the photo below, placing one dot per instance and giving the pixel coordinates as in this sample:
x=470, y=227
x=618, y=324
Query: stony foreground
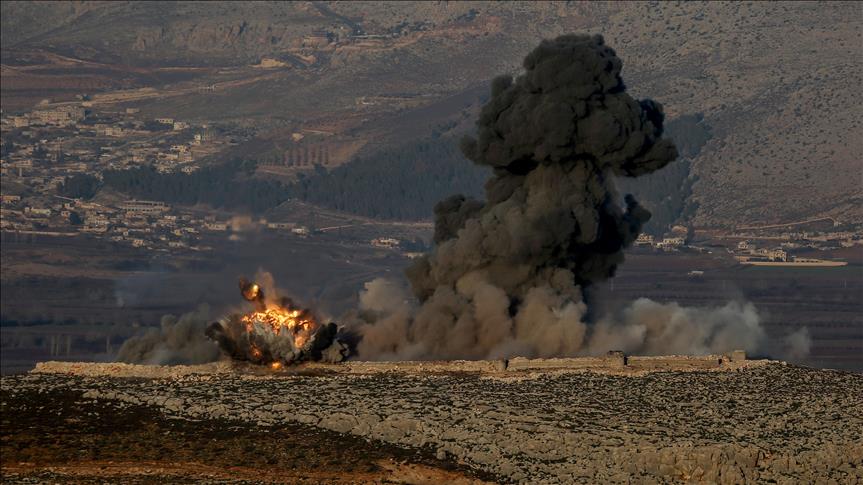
x=770, y=422
x=60, y=437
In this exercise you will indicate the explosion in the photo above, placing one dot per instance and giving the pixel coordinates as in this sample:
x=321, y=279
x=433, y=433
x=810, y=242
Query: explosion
x=507, y=274
x=276, y=332
x=283, y=318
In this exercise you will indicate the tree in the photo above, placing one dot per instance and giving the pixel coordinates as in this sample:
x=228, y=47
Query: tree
x=75, y=219
x=80, y=186
x=401, y=182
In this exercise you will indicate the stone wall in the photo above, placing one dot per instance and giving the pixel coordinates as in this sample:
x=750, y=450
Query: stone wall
x=612, y=363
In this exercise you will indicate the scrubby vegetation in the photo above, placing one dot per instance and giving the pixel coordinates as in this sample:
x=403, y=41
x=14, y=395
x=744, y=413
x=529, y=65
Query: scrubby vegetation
x=401, y=182
x=79, y=186
x=226, y=185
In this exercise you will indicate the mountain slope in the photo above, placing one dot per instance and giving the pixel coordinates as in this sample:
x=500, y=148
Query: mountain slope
x=778, y=83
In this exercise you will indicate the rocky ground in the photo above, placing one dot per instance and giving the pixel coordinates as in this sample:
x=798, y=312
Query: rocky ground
x=51, y=434
x=765, y=423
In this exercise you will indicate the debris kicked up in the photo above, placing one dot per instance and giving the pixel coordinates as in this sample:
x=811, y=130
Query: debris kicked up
x=277, y=332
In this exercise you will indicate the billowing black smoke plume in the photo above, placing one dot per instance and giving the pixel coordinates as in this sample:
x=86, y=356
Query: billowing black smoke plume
x=555, y=138
x=507, y=274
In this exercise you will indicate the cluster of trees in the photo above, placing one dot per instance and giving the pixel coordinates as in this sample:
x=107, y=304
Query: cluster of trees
x=153, y=125
x=402, y=182
x=226, y=185
x=80, y=186
x=399, y=183
x=6, y=147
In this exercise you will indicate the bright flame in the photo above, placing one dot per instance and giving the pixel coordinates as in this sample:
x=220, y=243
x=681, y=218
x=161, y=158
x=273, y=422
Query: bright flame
x=251, y=292
x=255, y=352
x=297, y=322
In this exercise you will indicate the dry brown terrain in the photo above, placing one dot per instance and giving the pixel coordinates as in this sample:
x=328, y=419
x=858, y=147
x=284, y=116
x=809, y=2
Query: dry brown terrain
x=59, y=437
x=760, y=422
x=776, y=81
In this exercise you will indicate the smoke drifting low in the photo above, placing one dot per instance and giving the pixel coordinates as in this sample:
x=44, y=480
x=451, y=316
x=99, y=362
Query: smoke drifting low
x=507, y=274
x=650, y=328
x=178, y=341
x=548, y=326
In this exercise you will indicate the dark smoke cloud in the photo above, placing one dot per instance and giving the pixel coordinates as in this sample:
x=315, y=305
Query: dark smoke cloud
x=506, y=273
x=554, y=137
x=178, y=341
x=506, y=276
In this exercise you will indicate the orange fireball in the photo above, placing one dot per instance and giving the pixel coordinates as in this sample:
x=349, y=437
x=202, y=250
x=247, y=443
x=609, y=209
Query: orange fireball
x=298, y=322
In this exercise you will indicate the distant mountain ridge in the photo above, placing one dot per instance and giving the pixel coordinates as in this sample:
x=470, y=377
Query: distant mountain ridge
x=778, y=83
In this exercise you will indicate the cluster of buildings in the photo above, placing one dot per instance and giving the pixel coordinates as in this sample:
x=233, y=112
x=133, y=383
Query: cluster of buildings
x=47, y=147
x=820, y=240
x=44, y=148
x=666, y=243
x=747, y=252
x=290, y=227
x=145, y=224
x=672, y=241
x=774, y=248
x=56, y=116
x=822, y=234
x=138, y=223
x=386, y=242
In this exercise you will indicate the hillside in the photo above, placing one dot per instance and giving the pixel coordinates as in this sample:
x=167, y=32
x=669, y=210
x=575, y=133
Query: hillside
x=777, y=83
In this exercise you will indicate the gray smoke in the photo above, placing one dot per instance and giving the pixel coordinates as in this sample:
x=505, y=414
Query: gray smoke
x=178, y=341
x=507, y=274
x=648, y=327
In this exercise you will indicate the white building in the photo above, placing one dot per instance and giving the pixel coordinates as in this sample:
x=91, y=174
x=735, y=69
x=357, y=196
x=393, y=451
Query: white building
x=216, y=226
x=777, y=255
x=385, y=242
x=281, y=225
x=673, y=242
x=644, y=239
x=144, y=206
x=64, y=116
x=37, y=212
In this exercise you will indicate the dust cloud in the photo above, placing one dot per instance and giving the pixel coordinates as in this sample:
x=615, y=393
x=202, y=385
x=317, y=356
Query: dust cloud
x=178, y=341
